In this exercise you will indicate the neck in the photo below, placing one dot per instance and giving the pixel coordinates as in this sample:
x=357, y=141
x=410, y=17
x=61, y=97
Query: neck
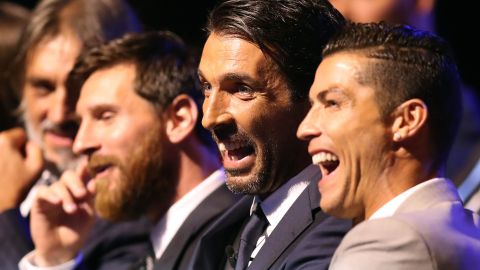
x=404, y=174
x=197, y=162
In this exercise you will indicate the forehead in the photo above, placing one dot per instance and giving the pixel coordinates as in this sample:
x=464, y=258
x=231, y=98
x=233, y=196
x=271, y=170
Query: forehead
x=340, y=70
x=224, y=54
x=53, y=55
x=111, y=85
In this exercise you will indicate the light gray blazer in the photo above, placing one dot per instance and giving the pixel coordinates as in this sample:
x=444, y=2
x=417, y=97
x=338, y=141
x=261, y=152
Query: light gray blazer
x=430, y=230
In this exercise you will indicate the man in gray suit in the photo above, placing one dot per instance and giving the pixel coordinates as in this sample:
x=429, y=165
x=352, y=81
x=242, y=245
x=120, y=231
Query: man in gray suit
x=386, y=107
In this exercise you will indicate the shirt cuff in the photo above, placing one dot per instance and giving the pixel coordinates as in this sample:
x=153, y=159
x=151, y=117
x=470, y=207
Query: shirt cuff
x=26, y=263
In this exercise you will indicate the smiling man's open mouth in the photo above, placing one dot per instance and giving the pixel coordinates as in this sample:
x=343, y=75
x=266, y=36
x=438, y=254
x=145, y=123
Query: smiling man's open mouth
x=327, y=161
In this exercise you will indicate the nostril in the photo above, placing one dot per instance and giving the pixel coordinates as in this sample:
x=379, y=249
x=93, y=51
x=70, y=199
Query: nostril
x=222, y=132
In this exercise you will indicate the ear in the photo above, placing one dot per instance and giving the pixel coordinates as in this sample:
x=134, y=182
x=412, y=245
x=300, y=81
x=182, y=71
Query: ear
x=181, y=117
x=408, y=119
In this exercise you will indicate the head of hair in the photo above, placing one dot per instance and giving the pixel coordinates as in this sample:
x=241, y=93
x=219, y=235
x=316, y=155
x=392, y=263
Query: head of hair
x=164, y=70
x=291, y=33
x=13, y=19
x=405, y=63
x=93, y=22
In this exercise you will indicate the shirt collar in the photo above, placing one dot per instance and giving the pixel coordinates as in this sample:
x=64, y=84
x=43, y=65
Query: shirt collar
x=389, y=209
x=164, y=231
x=279, y=202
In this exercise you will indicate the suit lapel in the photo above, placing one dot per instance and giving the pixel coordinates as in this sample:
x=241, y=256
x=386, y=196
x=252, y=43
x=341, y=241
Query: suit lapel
x=210, y=252
x=295, y=221
x=198, y=220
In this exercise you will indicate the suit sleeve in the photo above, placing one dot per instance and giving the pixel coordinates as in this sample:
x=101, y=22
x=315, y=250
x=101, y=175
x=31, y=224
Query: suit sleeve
x=383, y=244
x=14, y=239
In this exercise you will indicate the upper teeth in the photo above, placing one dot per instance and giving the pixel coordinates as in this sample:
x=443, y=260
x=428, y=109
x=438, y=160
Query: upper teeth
x=230, y=146
x=323, y=157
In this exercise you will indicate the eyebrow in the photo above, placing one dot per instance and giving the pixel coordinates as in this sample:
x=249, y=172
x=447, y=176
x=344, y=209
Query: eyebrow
x=321, y=95
x=236, y=76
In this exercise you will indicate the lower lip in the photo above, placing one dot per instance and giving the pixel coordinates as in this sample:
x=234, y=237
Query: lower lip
x=326, y=180
x=57, y=140
x=241, y=164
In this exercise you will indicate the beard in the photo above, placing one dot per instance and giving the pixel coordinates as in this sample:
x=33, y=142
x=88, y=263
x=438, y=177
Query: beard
x=66, y=159
x=145, y=181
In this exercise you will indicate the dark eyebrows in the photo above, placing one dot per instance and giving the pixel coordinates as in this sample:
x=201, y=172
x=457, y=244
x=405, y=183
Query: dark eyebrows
x=236, y=77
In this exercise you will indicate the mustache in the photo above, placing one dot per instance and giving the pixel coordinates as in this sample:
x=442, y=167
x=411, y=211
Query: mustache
x=230, y=133
x=97, y=162
x=69, y=127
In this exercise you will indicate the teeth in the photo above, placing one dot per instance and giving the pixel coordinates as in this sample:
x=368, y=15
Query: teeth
x=230, y=146
x=324, y=157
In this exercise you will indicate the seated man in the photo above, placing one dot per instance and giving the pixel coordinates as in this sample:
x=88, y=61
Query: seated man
x=147, y=154
x=386, y=107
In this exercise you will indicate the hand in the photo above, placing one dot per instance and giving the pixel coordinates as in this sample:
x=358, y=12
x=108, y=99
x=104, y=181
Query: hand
x=20, y=165
x=61, y=217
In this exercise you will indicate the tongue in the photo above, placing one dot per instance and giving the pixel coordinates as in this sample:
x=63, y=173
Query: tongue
x=239, y=153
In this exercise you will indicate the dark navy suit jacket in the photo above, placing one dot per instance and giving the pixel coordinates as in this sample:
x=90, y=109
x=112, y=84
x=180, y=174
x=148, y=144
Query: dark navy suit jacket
x=178, y=253
x=110, y=246
x=305, y=236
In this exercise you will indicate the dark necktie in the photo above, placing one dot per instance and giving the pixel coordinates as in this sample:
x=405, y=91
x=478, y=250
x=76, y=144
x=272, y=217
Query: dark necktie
x=255, y=226
x=145, y=263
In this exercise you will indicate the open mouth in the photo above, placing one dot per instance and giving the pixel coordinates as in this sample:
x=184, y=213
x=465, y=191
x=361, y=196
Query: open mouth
x=235, y=151
x=327, y=161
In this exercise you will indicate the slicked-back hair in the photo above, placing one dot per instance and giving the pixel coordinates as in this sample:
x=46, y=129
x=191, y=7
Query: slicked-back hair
x=291, y=33
x=163, y=70
x=407, y=63
x=93, y=22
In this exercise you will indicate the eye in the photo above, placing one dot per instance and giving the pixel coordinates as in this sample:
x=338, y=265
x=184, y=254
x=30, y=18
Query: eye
x=330, y=103
x=104, y=115
x=43, y=87
x=206, y=88
x=244, y=91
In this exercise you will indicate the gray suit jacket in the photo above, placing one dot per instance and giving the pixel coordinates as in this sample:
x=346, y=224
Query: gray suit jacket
x=430, y=230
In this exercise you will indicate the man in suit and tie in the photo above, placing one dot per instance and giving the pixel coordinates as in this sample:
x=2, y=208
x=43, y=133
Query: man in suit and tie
x=56, y=33
x=386, y=107
x=147, y=152
x=255, y=70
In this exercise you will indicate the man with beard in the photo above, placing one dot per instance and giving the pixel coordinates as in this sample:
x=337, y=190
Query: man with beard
x=147, y=154
x=386, y=106
x=256, y=68
x=56, y=33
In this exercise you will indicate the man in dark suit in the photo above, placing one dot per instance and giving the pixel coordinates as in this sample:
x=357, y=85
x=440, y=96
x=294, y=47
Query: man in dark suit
x=56, y=33
x=147, y=152
x=256, y=69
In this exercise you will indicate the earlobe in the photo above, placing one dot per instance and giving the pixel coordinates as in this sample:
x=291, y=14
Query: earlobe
x=409, y=118
x=181, y=117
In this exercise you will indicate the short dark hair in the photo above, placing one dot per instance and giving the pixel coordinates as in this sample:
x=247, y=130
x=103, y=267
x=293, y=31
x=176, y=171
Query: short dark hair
x=291, y=33
x=407, y=63
x=93, y=22
x=164, y=70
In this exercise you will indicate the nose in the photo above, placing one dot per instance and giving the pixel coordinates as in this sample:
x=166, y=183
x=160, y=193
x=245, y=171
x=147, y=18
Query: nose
x=309, y=127
x=215, y=110
x=85, y=142
x=60, y=109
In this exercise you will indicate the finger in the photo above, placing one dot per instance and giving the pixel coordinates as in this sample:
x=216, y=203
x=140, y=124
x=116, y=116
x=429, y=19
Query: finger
x=15, y=137
x=68, y=202
x=34, y=159
x=74, y=184
x=82, y=171
x=45, y=197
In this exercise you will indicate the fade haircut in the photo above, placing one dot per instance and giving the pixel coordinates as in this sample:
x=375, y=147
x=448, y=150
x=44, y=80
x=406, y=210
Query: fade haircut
x=405, y=63
x=163, y=70
x=291, y=33
x=93, y=22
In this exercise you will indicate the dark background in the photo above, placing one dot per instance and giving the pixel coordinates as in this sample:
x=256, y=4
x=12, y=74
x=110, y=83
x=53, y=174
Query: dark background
x=456, y=22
